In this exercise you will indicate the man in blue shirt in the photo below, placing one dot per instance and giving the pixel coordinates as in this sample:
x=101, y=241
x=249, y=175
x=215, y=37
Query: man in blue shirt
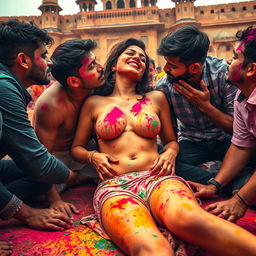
x=32, y=170
x=201, y=101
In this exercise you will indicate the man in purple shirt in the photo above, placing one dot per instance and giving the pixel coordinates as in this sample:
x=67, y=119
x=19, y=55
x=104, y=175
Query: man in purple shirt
x=242, y=73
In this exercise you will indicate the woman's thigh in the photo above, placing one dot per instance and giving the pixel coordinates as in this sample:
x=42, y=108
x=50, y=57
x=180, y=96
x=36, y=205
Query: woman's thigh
x=130, y=225
x=170, y=199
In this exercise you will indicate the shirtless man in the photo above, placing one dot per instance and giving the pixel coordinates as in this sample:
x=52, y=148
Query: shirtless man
x=56, y=112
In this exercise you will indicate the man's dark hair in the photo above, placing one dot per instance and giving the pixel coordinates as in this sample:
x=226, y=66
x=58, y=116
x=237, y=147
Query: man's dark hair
x=248, y=38
x=188, y=43
x=67, y=58
x=151, y=61
x=16, y=37
x=142, y=86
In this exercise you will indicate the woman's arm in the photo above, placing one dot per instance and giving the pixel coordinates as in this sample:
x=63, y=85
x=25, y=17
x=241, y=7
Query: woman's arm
x=83, y=133
x=101, y=161
x=165, y=164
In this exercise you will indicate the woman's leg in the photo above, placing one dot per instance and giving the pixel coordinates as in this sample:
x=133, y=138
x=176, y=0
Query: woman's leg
x=173, y=204
x=130, y=225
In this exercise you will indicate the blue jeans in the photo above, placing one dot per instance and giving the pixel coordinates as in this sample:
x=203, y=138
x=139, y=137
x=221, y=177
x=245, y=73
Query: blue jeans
x=14, y=181
x=192, y=154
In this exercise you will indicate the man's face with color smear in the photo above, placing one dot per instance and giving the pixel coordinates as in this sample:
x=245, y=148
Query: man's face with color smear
x=91, y=72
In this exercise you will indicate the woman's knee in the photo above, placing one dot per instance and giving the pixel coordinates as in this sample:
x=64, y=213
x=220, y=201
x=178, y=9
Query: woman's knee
x=187, y=216
x=160, y=247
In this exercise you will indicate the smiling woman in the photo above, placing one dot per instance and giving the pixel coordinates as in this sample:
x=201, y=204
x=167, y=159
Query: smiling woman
x=139, y=189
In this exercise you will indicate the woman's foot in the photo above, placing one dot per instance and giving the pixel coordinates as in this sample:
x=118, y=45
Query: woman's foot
x=5, y=248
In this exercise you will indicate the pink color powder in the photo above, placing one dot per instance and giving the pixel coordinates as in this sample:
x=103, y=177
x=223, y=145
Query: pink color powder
x=113, y=116
x=136, y=108
x=119, y=204
x=44, y=106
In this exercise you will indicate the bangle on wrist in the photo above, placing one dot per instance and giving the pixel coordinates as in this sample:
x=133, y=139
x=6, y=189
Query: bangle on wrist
x=242, y=200
x=91, y=155
x=215, y=183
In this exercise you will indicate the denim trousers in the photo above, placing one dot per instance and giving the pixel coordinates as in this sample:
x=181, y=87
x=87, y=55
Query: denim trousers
x=14, y=181
x=192, y=154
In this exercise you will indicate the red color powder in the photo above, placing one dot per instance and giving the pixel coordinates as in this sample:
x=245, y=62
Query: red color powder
x=119, y=204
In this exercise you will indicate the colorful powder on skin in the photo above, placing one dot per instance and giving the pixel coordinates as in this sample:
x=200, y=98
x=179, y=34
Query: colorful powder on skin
x=136, y=108
x=161, y=206
x=86, y=61
x=120, y=203
x=61, y=101
x=40, y=62
x=187, y=206
x=82, y=70
x=238, y=232
x=236, y=74
x=154, y=123
x=181, y=193
x=112, y=124
x=113, y=116
x=44, y=106
x=89, y=77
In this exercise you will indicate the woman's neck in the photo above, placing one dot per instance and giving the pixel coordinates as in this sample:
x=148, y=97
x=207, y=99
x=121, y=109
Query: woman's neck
x=124, y=87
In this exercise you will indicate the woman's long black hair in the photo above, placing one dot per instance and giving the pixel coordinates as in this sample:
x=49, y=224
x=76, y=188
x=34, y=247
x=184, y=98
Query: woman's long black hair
x=142, y=86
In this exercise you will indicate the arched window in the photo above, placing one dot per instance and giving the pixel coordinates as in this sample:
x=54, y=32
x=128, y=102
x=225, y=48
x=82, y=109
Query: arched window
x=120, y=4
x=132, y=3
x=84, y=8
x=90, y=7
x=146, y=3
x=108, y=5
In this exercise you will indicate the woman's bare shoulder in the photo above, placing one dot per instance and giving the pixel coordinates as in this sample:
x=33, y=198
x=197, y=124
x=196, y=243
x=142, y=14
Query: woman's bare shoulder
x=95, y=99
x=95, y=102
x=156, y=95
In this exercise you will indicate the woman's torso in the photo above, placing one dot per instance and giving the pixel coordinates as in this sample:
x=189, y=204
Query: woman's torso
x=127, y=129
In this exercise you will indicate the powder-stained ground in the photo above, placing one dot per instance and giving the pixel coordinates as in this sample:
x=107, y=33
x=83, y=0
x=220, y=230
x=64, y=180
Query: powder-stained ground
x=79, y=240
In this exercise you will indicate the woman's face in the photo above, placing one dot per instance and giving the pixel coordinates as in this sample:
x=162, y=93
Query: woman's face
x=131, y=63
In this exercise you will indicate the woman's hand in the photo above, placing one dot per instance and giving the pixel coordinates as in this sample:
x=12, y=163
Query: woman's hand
x=66, y=208
x=165, y=164
x=102, y=163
